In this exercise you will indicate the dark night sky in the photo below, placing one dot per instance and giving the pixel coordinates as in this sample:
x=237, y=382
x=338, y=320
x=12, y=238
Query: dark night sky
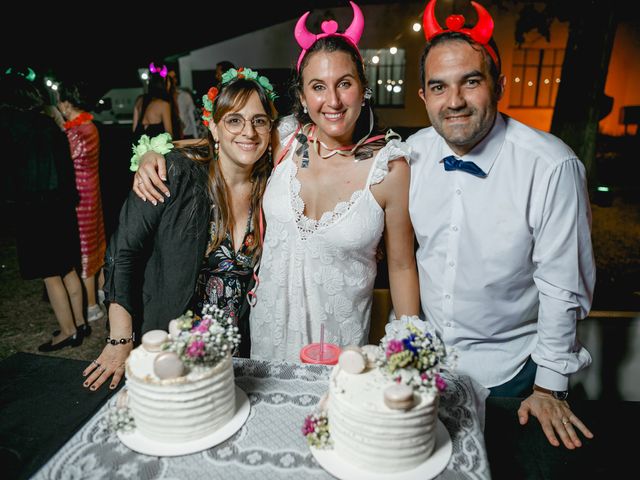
x=109, y=44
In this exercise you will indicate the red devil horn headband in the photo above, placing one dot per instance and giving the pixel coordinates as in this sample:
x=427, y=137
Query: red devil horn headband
x=329, y=28
x=480, y=33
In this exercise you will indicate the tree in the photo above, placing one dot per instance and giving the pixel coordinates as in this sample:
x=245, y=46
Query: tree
x=581, y=102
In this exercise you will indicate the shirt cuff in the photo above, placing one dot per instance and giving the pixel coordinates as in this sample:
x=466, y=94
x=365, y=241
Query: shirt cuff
x=551, y=380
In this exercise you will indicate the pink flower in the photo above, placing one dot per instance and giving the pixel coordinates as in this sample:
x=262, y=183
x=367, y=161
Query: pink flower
x=394, y=346
x=202, y=327
x=441, y=385
x=195, y=349
x=309, y=426
x=424, y=376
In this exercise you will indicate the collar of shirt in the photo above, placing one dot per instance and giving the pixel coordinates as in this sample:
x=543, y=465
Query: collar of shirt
x=484, y=154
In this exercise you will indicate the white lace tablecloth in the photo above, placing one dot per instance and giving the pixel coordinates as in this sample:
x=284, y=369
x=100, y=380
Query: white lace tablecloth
x=270, y=444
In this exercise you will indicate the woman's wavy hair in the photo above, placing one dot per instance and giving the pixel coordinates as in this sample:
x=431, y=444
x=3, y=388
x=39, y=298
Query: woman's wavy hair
x=232, y=96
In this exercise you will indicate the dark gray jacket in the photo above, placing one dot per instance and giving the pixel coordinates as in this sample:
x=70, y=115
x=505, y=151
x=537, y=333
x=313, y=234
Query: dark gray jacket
x=155, y=254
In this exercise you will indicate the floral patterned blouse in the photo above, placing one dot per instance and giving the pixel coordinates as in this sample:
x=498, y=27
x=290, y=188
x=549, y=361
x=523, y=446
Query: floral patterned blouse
x=225, y=275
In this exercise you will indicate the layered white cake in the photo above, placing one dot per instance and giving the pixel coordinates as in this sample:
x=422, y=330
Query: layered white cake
x=180, y=409
x=369, y=434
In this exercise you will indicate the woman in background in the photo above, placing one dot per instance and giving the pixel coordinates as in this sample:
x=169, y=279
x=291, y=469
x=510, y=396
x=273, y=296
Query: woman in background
x=40, y=180
x=85, y=153
x=152, y=113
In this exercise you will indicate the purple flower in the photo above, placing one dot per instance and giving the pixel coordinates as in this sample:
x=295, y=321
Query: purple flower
x=441, y=385
x=195, y=349
x=394, y=346
x=408, y=343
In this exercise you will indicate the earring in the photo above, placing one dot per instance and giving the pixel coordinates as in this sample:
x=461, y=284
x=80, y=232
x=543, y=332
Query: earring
x=269, y=159
x=368, y=93
x=304, y=109
x=216, y=147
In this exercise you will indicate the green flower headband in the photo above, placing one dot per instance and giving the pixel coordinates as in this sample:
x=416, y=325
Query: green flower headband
x=231, y=74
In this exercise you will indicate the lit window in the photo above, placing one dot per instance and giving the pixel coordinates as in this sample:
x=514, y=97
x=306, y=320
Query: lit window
x=533, y=69
x=386, y=75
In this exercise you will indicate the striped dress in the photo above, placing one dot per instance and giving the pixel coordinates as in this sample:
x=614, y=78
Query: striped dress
x=85, y=149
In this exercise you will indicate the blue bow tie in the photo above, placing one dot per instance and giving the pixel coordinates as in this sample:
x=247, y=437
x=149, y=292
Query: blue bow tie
x=452, y=163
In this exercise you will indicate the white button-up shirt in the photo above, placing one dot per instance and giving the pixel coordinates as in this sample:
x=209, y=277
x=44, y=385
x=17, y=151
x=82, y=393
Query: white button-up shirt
x=505, y=262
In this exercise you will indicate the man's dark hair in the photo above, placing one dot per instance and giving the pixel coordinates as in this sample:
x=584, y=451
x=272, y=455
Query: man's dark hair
x=457, y=36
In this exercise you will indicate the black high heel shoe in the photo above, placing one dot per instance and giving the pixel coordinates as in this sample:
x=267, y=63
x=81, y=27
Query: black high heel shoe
x=84, y=329
x=74, y=340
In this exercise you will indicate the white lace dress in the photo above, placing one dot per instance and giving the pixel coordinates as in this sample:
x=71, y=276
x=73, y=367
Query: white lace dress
x=315, y=272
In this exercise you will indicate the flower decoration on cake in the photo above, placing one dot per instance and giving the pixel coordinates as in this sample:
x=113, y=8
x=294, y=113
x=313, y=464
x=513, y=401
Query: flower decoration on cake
x=120, y=420
x=119, y=417
x=414, y=355
x=316, y=430
x=203, y=340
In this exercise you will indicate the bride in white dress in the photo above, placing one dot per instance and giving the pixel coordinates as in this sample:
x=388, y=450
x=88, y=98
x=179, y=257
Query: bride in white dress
x=327, y=206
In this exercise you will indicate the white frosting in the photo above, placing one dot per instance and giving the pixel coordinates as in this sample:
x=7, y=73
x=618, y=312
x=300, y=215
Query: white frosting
x=179, y=409
x=371, y=435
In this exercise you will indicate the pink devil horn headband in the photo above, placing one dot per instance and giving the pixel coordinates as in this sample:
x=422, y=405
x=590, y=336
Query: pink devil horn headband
x=162, y=71
x=329, y=28
x=480, y=33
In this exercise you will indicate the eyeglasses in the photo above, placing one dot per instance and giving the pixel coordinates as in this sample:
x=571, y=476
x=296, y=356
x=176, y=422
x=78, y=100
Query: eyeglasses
x=234, y=123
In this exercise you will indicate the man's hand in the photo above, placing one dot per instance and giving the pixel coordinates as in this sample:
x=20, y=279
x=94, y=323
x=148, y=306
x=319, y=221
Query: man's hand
x=555, y=417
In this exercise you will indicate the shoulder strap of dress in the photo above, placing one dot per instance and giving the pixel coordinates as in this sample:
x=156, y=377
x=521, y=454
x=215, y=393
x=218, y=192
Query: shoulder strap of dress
x=381, y=164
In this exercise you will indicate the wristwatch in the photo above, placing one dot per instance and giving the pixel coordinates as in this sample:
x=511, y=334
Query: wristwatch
x=557, y=394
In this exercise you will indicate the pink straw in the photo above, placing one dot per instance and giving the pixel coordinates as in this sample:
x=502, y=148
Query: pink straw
x=321, y=341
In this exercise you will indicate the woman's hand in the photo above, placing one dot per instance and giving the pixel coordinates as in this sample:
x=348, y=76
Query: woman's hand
x=109, y=363
x=111, y=360
x=148, y=180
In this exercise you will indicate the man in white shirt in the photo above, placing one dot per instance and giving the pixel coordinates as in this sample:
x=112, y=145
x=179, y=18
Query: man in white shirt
x=502, y=217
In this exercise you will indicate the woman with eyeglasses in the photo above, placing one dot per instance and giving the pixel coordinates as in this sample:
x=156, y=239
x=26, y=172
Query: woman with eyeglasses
x=201, y=243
